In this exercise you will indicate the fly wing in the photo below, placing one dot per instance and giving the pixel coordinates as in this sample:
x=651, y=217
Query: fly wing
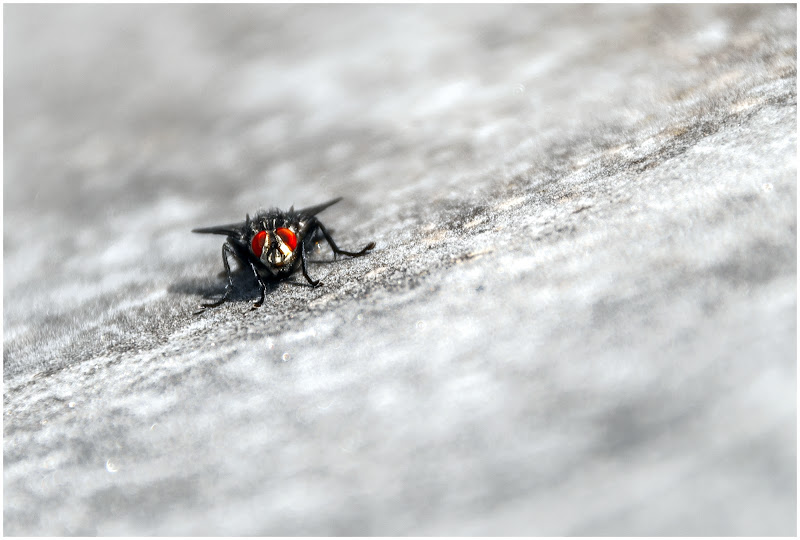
x=314, y=210
x=234, y=229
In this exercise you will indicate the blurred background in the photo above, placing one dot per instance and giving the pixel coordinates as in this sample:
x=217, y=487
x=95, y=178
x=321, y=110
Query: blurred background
x=580, y=317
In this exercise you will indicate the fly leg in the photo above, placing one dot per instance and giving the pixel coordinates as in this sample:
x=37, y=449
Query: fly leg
x=335, y=248
x=313, y=283
x=261, y=285
x=226, y=250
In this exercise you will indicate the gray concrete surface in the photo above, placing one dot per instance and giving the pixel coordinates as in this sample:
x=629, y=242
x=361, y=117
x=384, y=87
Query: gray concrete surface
x=580, y=317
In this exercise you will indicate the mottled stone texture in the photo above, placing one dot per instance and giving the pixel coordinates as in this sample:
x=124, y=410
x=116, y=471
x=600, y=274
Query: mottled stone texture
x=580, y=317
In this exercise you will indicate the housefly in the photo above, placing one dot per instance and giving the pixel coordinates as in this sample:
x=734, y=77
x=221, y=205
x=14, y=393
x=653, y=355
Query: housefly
x=273, y=244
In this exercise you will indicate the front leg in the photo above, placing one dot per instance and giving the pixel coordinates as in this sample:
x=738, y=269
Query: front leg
x=261, y=285
x=313, y=283
x=226, y=250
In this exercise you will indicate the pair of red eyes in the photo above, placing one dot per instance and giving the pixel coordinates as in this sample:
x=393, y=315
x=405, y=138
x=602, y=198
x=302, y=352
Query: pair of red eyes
x=288, y=237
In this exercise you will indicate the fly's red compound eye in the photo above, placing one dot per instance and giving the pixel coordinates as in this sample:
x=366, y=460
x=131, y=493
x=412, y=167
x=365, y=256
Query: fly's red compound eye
x=258, y=242
x=288, y=237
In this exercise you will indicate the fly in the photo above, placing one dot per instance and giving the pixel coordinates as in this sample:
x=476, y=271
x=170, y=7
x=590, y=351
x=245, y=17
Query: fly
x=274, y=244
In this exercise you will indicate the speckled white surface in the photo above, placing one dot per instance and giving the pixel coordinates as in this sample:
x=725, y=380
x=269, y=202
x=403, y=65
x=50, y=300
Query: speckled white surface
x=580, y=317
